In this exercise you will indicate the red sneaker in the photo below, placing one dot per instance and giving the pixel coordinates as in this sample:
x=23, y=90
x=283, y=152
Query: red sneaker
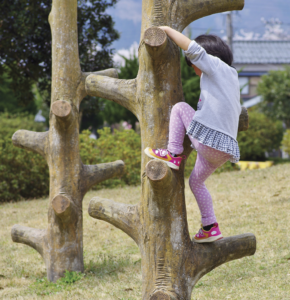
x=212, y=235
x=164, y=155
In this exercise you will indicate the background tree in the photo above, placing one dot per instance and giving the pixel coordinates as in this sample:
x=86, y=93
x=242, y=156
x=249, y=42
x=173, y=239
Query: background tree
x=263, y=135
x=190, y=83
x=25, y=48
x=8, y=101
x=275, y=90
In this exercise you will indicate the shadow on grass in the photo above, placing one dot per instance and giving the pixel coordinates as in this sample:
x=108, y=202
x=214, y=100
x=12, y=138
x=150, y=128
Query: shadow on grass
x=103, y=267
x=106, y=265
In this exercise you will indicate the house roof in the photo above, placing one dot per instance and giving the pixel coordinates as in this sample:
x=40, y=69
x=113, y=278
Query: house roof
x=261, y=52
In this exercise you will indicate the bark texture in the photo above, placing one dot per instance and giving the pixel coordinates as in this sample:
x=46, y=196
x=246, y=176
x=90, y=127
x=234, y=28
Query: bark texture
x=171, y=262
x=61, y=244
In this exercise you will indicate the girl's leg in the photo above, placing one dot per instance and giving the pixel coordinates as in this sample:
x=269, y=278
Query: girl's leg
x=208, y=160
x=180, y=118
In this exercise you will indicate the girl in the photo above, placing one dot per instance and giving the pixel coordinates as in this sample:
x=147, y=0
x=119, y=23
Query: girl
x=212, y=129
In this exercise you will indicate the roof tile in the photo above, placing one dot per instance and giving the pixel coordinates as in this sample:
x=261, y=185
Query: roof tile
x=261, y=52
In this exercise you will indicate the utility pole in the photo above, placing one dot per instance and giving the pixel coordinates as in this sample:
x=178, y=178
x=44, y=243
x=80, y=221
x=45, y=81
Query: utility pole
x=229, y=30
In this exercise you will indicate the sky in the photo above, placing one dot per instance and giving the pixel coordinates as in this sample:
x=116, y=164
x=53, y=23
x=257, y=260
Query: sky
x=246, y=23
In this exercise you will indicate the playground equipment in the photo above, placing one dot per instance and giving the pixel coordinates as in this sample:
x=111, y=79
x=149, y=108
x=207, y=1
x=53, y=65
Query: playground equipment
x=171, y=263
x=61, y=244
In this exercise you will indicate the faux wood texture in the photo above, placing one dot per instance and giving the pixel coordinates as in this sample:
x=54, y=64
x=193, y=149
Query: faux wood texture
x=244, y=120
x=61, y=108
x=171, y=263
x=61, y=244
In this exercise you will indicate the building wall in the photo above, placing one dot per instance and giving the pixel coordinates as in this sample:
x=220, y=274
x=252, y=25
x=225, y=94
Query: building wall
x=250, y=75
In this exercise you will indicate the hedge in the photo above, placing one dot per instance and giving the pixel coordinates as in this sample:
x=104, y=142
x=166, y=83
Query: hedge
x=24, y=174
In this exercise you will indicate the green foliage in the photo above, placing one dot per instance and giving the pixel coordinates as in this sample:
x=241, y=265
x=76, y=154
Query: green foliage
x=43, y=287
x=107, y=265
x=25, y=47
x=263, y=135
x=23, y=174
x=124, y=145
x=275, y=90
x=190, y=83
x=9, y=123
x=130, y=70
x=8, y=101
x=190, y=162
x=70, y=277
x=286, y=141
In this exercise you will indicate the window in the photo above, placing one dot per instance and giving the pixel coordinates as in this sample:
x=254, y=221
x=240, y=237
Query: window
x=244, y=85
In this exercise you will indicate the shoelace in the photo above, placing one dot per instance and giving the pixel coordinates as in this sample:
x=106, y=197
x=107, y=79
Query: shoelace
x=162, y=152
x=200, y=232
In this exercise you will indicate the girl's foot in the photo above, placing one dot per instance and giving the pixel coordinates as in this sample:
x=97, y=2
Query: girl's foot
x=165, y=155
x=204, y=236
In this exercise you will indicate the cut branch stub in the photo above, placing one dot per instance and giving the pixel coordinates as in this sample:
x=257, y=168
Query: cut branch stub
x=61, y=108
x=122, y=216
x=29, y=236
x=61, y=206
x=120, y=91
x=182, y=13
x=244, y=120
x=156, y=170
x=30, y=140
x=225, y=250
x=93, y=174
x=155, y=40
x=161, y=178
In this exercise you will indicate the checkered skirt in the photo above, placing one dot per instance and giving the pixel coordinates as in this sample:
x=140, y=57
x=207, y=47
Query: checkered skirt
x=214, y=139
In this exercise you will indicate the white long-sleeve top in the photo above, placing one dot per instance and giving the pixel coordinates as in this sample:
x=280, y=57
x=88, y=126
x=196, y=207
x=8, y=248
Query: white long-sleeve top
x=215, y=124
x=220, y=92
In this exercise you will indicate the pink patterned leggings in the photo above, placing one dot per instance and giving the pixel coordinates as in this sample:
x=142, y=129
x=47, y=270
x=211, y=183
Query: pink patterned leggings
x=207, y=161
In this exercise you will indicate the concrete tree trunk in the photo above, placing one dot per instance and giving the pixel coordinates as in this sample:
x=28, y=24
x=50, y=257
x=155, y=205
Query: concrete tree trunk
x=171, y=262
x=61, y=244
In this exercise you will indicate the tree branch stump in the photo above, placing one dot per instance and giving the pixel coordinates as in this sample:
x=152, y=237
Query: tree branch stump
x=155, y=40
x=171, y=263
x=244, y=120
x=61, y=244
x=61, y=108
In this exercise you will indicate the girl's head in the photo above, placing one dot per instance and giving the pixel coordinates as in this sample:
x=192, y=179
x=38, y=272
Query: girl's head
x=214, y=46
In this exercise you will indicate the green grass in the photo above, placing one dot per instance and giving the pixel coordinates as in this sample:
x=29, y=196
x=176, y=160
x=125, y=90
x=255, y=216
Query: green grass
x=256, y=201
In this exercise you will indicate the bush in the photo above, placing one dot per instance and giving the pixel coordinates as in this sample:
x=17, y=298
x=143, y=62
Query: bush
x=263, y=135
x=124, y=145
x=286, y=141
x=23, y=174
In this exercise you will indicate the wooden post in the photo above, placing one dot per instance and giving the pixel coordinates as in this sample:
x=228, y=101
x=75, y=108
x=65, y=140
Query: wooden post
x=171, y=263
x=61, y=244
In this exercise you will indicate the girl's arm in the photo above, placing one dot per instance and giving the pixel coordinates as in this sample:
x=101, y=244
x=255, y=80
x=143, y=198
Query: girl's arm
x=196, y=54
x=181, y=40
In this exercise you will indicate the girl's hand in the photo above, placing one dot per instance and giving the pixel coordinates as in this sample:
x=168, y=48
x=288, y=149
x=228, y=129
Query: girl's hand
x=164, y=28
x=181, y=40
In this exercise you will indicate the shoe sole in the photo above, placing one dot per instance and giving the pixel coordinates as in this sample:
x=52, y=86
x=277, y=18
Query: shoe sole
x=169, y=164
x=209, y=240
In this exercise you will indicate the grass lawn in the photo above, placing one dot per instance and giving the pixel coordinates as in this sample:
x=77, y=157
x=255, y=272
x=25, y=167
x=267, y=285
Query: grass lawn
x=256, y=201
